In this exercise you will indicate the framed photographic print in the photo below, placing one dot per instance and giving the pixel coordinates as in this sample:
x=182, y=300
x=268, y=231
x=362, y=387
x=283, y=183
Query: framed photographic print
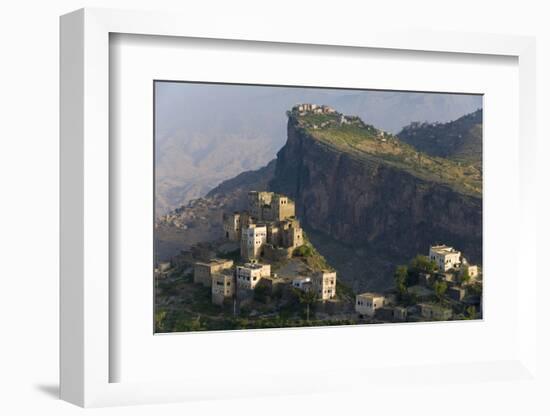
x=283, y=209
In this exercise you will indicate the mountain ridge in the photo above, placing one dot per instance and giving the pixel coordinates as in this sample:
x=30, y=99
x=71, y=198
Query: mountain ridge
x=460, y=139
x=364, y=214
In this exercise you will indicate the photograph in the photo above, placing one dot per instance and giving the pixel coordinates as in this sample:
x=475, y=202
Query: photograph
x=286, y=206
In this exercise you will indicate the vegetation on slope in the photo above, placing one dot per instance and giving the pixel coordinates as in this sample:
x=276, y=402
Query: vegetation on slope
x=366, y=142
x=460, y=139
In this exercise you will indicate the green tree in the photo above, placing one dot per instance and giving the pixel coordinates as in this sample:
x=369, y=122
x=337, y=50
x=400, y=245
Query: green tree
x=160, y=320
x=423, y=264
x=400, y=276
x=303, y=251
x=464, y=277
x=262, y=292
x=471, y=312
x=308, y=298
x=188, y=324
x=440, y=288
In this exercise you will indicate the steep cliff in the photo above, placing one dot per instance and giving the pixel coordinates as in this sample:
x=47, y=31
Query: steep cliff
x=369, y=194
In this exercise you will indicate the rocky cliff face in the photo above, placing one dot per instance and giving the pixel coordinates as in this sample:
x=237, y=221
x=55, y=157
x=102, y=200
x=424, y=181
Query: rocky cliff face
x=370, y=205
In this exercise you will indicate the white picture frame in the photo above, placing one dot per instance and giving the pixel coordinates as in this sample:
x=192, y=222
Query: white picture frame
x=85, y=212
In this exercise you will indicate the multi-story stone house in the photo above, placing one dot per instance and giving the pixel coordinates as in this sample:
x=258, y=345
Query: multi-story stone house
x=472, y=270
x=203, y=271
x=324, y=284
x=256, y=201
x=253, y=237
x=270, y=219
x=223, y=286
x=303, y=283
x=445, y=257
x=232, y=226
x=367, y=303
x=250, y=274
x=287, y=233
x=269, y=206
x=291, y=233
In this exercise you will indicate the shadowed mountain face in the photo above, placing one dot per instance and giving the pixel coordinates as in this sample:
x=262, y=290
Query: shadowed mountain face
x=459, y=139
x=371, y=202
x=208, y=133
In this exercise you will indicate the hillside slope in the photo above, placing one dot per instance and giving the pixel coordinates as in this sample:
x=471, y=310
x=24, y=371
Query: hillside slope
x=460, y=139
x=367, y=201
x=371, y=197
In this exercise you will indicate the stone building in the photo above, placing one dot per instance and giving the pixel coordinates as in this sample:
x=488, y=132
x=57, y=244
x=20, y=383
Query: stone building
x=324, y=284
x=472, y=270
x=445, y=257
x=281, y=208
x=399, y=314
x=384, y=313
x=270, y=219
x=276, y=253
x=291, y=233
x=162, y=269
x=223, y=286
x=250, y=274
x=303, y=283
x=232, y=226
x=256, y=201
x=313, y=108
x=269, y=206
x=253, y=237
x=435, y=312
x=287, y=233
x=367, y=303
x=234, y=223
x=456, y=293
x=204, y=270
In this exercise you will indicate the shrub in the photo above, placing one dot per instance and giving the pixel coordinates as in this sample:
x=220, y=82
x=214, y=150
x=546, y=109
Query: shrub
x=303, y=251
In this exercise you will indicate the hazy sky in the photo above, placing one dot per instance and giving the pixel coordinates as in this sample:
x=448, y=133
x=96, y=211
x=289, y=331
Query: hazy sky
x=207, y=133
x=388, y=110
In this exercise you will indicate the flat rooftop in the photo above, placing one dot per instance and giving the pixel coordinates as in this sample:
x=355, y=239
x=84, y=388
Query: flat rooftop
x=213, y=261
x=254, y=265
x=370, y=295
x=443, y=249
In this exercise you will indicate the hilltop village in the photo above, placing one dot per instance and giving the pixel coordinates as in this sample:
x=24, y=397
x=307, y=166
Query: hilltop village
x=268, y=232
x=265, y=273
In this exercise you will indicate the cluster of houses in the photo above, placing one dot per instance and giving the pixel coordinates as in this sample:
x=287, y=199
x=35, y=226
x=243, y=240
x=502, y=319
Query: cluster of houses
x=337, y=119
x=225, y=280
x=451, y=267
x=268, y=229
x=303, y=109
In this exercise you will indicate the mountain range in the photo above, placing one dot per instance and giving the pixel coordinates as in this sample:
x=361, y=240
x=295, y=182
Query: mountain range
x=208, y=133
x=368, y=199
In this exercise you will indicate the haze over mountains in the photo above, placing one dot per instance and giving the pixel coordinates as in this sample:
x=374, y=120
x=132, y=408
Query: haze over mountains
x=205, y=133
